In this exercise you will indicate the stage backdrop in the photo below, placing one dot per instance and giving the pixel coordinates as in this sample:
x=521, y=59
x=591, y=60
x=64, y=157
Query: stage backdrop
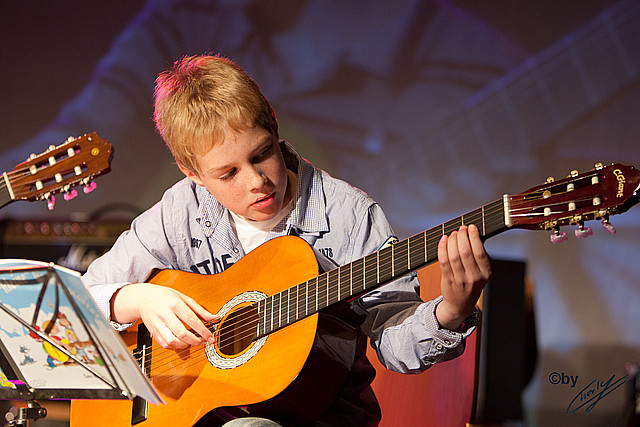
x=433, y=107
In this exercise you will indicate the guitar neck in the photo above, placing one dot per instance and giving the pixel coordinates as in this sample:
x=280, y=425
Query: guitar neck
x=371, y=271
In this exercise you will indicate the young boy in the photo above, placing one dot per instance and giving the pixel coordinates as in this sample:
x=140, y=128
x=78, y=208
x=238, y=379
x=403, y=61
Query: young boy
x=244, y=186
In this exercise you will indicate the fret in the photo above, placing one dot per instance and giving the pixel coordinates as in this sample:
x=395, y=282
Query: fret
x=474, y=217
x=287, y=306
x=284, y=307
x=314, y=292
x=385, y=264
x=306, y=297
x=334, y=284
x=281, y=314
x=408, y=254
x=300, y=302
x=426, y=247
x=494, y=217
x=357, y=276
x=344, y=279
x=323, y=291
x=264, y=316
x=276, y=312
x=400, y=257
x=370, y=271
x=392, y=267
x=452, y=225
x=433, y=237
x=417, y=251
x=269, y=313
x=260, y=326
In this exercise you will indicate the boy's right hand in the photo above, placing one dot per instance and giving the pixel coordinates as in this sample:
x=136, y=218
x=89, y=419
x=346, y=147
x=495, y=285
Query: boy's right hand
x=167, y=314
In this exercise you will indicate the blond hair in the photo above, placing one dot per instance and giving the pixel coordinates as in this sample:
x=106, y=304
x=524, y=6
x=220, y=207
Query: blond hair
x=200, y=99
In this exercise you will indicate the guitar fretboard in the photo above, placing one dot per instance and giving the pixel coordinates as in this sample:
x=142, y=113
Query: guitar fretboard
x=370, y=272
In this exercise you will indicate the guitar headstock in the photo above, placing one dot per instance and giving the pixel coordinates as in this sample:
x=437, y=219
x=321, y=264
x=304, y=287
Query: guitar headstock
x=597, y=194
x=57, y=170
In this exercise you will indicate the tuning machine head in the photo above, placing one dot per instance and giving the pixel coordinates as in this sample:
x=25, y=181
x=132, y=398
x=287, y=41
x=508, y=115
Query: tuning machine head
x=558, y=236
x=583, y=232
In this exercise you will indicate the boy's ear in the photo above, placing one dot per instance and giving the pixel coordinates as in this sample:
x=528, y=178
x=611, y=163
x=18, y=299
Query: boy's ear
x=192, y=176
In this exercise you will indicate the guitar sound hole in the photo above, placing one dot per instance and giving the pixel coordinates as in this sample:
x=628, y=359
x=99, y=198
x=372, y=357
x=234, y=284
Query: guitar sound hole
x=237, y=331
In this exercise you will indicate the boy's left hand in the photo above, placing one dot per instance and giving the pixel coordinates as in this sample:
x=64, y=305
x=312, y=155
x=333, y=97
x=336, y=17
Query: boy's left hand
x=465, y=268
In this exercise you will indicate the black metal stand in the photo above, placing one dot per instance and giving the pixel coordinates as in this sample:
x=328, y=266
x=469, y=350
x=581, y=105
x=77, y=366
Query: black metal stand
x=108, y=372
x=32, y=412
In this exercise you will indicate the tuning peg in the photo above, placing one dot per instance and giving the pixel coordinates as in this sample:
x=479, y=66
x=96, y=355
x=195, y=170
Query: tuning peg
x=583, y=232
x=608, y=226
x=51, y=201
x=70, y=194
x=558, y=237
x=89, y=187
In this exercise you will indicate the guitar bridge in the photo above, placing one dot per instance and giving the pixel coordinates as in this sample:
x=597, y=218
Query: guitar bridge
x=142, y=353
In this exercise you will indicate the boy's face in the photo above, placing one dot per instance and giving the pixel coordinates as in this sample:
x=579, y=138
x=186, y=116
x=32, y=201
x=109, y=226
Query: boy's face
x=246, y=173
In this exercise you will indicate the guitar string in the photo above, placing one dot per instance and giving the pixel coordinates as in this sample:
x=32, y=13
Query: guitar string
x=166, y=360
x=26, y=173
x=526, y=212
x=332, y=290
x=20, y=177
x=62, y=157
x=158, y=364
x=26, y=170
x=333, y=283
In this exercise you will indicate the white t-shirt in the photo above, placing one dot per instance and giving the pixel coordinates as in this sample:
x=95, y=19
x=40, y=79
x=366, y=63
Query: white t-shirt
x=254, y=233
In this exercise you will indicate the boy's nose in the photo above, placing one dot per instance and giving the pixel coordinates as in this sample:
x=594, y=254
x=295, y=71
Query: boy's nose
x=258, y=179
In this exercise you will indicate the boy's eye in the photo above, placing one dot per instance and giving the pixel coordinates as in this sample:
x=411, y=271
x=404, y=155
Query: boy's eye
x=227, y=176
x=266, y=152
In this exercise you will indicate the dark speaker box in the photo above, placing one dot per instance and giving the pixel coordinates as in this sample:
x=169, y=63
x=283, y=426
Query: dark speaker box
x=506, y=354
x=72, y=244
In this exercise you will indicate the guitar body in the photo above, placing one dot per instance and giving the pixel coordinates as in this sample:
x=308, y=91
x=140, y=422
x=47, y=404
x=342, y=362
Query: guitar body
x=192, y=386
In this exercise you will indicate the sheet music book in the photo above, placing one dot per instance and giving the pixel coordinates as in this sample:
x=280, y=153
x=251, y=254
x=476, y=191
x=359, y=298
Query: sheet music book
x=56, y=341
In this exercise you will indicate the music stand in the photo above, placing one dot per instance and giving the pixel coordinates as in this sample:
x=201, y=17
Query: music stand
x=56, y=344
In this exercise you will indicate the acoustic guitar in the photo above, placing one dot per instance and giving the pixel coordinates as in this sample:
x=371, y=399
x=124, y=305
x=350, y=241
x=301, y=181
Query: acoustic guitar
x=273, y=304
x=57, y=170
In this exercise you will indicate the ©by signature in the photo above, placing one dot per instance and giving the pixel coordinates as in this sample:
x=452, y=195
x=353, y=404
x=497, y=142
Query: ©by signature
x=594, y=392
